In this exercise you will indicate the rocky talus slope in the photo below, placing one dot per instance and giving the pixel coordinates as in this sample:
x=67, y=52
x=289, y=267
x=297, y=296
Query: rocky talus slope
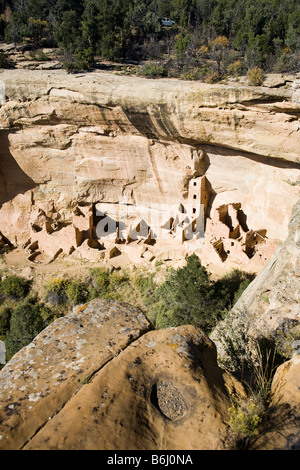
x=147, y=155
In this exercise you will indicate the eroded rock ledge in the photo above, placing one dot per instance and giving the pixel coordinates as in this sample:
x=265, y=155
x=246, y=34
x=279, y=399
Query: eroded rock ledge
x=101, y=379
x=73, y=147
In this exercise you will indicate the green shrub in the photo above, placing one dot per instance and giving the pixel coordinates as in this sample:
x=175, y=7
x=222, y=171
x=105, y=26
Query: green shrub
x=243, y=285
x=246, y=413
x=117, y=280
x=181, y=45
x=122, y=287
x=5, y=61
x=235, y=68
x=146, y=287
x=100, y=281
x=158, y=263
x=209, y=74
x=235, y=282
x=15, y=287
x=285, y=63
x=75, y=66
x=137, y=289
x=255, y=76
x=5, y=316
x=245, y=416
x=38, y=55
x=194, y=74
x=153, y=70
x=47, y=314
x=63, y=291
x=188, y=296
x=80, y=61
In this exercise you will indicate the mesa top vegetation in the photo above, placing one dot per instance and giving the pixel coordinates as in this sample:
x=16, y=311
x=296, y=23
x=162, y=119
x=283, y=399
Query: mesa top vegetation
x=209, y=39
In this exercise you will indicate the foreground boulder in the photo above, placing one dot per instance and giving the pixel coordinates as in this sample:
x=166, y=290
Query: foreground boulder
x=99, y=379
x=41, y=378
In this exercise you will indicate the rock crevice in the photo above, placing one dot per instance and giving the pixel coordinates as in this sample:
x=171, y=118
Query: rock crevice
x=102, y=139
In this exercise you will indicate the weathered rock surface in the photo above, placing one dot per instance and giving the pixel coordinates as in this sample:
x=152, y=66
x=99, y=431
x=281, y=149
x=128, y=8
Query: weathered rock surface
x=71, y=142
x=41, y=378
x=146, y=390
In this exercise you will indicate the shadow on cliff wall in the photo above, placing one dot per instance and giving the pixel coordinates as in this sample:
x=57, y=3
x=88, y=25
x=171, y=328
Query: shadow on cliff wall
x=230, y=151
x=13, y=180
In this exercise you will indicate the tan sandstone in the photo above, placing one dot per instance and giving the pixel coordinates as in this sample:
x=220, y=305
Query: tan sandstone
x=41, y=378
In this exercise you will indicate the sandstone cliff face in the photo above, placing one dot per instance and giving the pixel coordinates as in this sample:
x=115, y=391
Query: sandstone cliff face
x=282, y=432
x=72, y=147
x=100, y=379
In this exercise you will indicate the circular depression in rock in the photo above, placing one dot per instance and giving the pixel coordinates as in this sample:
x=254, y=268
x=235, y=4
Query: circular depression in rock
x=169, y=401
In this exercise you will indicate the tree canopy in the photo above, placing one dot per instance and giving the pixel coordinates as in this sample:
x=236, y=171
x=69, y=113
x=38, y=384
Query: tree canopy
x=263, y=33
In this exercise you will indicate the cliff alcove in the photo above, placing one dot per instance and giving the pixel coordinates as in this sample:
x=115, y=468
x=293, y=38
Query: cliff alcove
x=114, y=171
